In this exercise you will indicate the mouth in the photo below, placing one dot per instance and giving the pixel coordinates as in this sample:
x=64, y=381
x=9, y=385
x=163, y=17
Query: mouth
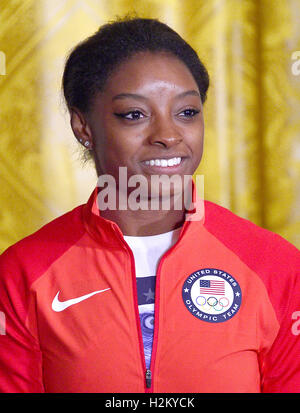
x=164, y=165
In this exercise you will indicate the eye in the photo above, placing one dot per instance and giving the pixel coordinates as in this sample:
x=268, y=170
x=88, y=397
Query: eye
x=132, y=115
x=189, y=113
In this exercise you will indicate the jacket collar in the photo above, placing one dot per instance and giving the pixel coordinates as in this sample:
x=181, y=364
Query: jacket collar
x=108, y=232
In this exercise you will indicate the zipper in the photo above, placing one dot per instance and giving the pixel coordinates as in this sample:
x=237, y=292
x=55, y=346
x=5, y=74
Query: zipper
x=148, y=379
x=148, y=372
x=148, y=375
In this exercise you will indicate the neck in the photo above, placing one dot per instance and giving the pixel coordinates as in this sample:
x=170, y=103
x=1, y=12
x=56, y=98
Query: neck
x=143, y=223
x=142, y=216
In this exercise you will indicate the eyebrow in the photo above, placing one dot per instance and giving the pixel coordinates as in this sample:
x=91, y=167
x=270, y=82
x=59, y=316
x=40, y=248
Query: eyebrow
x=141, y=97
x=129, y=95
x=188, y=93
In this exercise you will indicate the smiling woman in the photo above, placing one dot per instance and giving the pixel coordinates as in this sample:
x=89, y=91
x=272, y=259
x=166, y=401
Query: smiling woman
x=196, y=303
x=148, y=119
x=140, y=108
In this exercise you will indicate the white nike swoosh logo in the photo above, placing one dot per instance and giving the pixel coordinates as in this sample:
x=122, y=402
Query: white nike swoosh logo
x=62, y=305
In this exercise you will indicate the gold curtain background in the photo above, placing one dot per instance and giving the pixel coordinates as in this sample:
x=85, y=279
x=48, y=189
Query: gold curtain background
x=251, y=161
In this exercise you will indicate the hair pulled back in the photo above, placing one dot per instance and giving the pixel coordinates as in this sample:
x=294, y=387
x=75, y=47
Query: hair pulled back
x=92, y=61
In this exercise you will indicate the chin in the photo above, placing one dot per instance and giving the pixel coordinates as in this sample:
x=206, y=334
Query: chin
x=170, y=194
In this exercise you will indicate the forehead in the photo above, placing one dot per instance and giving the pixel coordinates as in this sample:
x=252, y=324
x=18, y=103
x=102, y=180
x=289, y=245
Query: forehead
x=150, y=72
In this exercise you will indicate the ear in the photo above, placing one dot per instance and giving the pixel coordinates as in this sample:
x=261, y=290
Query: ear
x=81, y=128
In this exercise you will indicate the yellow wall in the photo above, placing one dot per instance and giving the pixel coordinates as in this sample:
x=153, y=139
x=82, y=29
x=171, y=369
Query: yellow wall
x=252, y=140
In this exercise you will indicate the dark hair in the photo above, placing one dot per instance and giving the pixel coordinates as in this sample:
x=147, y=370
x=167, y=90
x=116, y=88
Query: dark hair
x=93, y=60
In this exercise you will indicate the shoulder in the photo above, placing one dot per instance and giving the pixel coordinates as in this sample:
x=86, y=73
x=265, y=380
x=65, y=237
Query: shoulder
x=37, y=251
x=272, y=258
x=255, y=244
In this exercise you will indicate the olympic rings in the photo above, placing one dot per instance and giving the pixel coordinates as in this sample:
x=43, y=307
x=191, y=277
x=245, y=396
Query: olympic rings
x=212, y=299
x=202, y=297
x=218, y=308
x=224, y=298
x=213, y=302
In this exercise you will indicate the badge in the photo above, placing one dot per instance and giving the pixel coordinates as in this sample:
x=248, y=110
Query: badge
x=212, y=295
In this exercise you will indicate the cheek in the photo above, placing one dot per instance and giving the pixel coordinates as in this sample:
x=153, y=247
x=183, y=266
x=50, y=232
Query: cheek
x=113, y=152
x=195, y=141
x=196, y=144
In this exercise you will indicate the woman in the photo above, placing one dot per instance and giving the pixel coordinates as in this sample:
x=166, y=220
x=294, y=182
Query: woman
x=78, y=295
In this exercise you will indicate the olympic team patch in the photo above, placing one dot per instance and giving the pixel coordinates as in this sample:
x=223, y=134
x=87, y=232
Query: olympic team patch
x=212, y=295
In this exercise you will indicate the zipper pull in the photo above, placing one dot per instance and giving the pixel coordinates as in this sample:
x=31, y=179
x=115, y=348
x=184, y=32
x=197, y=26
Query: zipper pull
x=148, y=378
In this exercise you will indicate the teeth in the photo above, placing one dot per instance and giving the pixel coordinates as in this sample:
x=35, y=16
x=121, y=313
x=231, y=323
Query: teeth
x=164, y=162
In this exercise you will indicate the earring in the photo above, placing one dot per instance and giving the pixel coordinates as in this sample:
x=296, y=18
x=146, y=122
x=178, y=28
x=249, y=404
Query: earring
x=86, y=144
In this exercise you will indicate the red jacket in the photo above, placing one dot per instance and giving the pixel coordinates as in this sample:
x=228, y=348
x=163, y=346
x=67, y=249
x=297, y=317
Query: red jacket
x=227, y=304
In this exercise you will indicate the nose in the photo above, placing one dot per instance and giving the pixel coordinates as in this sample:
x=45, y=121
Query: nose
x=164, y=133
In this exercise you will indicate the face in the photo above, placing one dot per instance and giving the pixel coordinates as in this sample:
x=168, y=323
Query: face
x=148, y=118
